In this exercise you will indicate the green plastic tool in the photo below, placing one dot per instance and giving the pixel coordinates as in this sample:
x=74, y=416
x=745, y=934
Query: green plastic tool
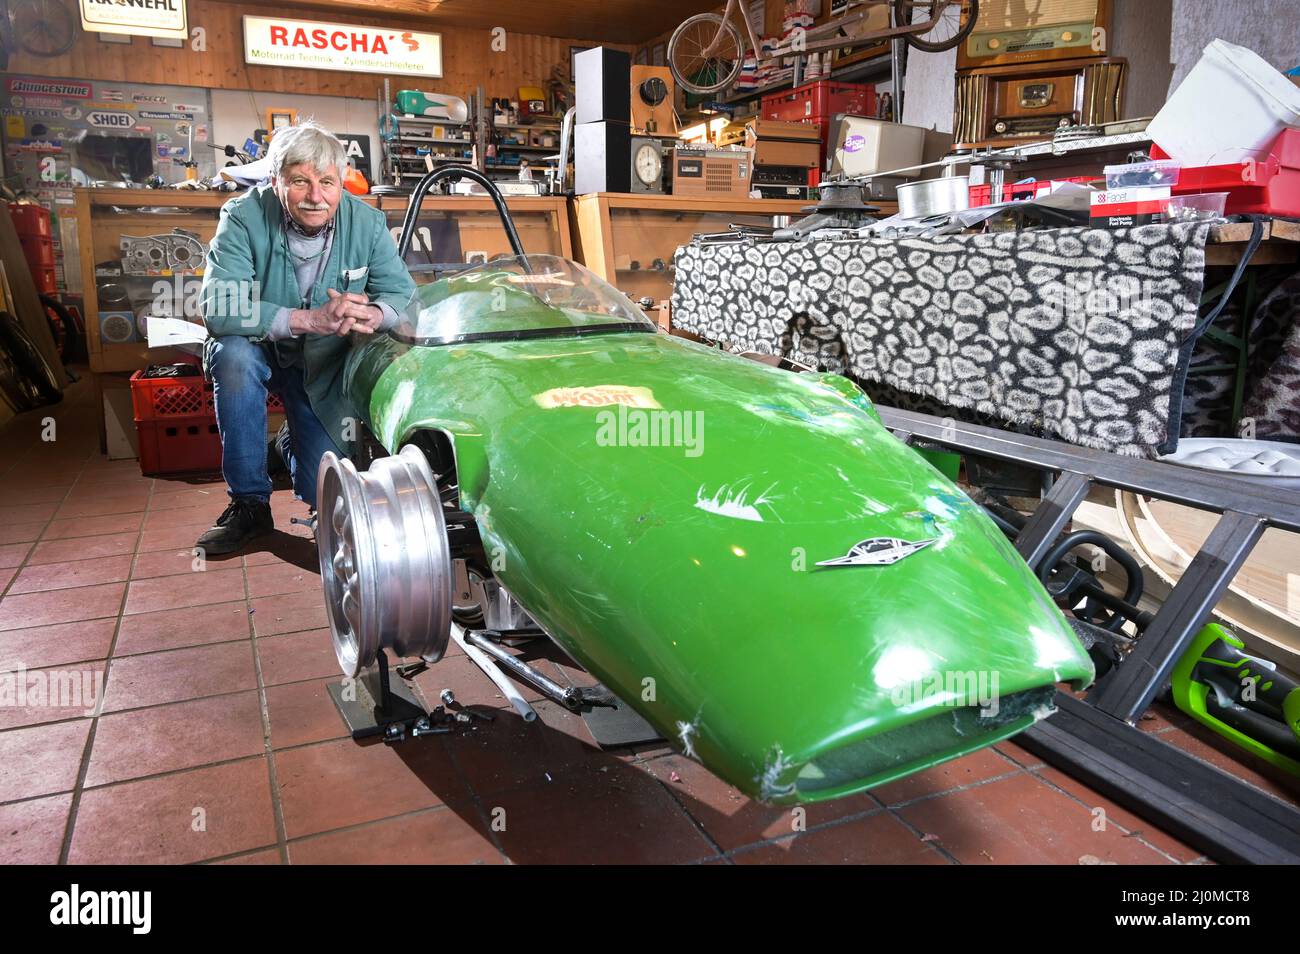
x=1241, y=697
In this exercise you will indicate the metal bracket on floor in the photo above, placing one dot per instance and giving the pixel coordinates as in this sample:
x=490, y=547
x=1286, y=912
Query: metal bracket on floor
x=1095, y=739
x=374, y=705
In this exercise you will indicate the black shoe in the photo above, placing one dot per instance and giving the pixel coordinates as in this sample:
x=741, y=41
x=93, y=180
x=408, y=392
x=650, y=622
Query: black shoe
x=243, y=521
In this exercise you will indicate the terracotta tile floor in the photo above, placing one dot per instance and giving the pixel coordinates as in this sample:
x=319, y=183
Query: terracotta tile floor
x=217, y=740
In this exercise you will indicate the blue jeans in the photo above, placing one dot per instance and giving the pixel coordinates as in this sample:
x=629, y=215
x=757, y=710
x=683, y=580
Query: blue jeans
x=242, y=372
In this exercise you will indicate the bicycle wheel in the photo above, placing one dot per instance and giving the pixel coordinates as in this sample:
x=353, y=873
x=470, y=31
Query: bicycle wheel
x=15, y=387
x=29, y=361
x=696, y=72
x=956, y=21
x=69, y=334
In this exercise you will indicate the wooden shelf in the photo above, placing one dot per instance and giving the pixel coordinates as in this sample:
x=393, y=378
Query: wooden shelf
x=523, y=125
x=398, y=117
x=613, y=229
x=435, y=141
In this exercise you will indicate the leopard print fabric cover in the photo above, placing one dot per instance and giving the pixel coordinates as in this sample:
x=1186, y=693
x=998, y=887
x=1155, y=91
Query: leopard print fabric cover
x=1070, y=332
x=1273, y=406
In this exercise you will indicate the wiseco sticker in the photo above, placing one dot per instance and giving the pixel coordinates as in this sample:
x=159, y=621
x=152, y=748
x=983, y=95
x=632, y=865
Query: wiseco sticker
x=598, y=395
x=101, y=119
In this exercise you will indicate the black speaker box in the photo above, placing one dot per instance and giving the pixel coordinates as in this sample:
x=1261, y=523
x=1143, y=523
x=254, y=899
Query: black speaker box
x=604, y=92
x=603, y=157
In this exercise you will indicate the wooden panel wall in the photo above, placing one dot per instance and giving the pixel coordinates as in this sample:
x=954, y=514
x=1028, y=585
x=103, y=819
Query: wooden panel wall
x=468, y=59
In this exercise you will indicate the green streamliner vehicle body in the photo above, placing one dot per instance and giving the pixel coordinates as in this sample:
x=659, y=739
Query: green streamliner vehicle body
x=744, y=555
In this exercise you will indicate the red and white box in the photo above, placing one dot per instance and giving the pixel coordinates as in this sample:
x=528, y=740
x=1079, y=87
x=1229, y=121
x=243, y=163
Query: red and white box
x=1124, y=208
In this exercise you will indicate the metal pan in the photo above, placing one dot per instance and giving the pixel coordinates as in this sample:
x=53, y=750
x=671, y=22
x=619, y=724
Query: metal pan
x=917, y=200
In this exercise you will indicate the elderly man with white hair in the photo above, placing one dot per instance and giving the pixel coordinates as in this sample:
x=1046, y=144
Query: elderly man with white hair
x=295, y=267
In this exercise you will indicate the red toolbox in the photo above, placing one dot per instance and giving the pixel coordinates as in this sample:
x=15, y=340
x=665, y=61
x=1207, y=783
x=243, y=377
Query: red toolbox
x=1266, y=185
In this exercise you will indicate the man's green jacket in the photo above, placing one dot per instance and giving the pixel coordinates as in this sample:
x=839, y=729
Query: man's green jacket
x=249, y=277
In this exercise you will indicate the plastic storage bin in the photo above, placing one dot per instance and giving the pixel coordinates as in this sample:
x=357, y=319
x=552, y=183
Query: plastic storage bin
x=1020, y=191
x=820, y=100
x=1267, y=184
x=181, y=445
x=170, y=398
x=1231, y=105
x=32, y=223
x=1157, y=172
x=177, y=426
x=1191, y=208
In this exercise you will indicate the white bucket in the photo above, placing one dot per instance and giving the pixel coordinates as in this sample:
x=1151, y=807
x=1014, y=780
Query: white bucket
x=1230, y=107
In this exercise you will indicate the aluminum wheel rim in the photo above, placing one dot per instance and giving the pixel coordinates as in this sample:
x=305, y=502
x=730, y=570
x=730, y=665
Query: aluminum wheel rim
x=384, y=559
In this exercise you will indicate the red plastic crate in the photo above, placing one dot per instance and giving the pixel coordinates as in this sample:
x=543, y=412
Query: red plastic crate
x=1269, y=185
x=38, y=250
x=30, y=219
x=821, y=98
x=180, y=445
x=46, y=280
x=164, y=399
x=1018, y=192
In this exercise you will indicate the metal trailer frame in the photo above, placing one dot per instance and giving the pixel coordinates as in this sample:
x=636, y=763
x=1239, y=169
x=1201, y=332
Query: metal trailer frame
x=1095, y=739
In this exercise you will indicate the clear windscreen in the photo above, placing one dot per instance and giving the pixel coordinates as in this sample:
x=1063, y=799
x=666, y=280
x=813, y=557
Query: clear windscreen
x=527, y=296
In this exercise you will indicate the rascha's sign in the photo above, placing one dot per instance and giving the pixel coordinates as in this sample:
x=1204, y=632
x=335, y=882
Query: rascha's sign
x=102, y=119
x=308, y=44
x=165, y=18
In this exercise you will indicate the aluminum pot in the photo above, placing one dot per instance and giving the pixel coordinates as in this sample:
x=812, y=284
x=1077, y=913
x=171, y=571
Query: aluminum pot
x=917, y=200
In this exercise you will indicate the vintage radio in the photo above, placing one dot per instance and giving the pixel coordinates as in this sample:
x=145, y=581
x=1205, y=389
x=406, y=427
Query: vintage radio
x=784, y=182
x=766, y=191
x=1008, y=105
x=712, y=173
x=1012, y=31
